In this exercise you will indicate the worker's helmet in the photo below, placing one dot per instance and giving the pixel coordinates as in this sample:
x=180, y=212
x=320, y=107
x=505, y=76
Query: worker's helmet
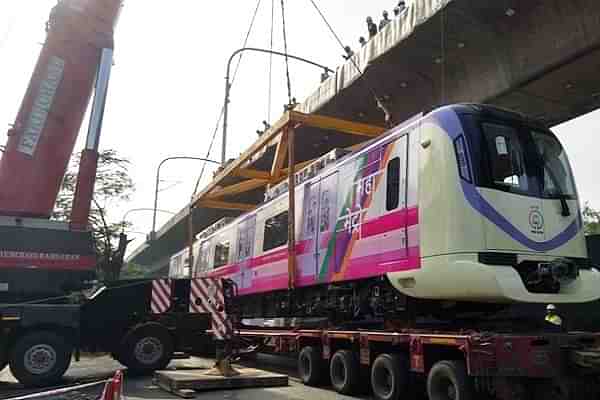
x=550, y=307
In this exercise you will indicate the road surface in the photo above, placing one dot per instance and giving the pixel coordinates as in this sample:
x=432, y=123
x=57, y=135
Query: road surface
x=141, y=388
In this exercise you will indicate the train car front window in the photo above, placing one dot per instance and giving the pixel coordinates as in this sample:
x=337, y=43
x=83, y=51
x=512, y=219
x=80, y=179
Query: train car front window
x=556, y=179
x=506, y=157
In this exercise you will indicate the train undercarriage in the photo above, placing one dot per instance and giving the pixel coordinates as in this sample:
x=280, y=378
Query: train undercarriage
x=370, y=303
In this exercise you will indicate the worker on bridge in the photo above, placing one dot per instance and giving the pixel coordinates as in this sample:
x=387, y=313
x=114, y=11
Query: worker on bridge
x=386, y=20
x=371, y=27
x=554, y=322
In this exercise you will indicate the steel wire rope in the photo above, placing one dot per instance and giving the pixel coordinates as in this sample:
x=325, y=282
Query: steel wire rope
x=443, y=57
x=285, y=51
x=271, y=63
x=235, y=71
x=388, y=115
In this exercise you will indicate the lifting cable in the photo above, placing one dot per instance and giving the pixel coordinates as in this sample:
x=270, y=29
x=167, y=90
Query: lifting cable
x=388, y=115
x=235, y=71
x=285, y=51
x=271, y=63
x=443, y=57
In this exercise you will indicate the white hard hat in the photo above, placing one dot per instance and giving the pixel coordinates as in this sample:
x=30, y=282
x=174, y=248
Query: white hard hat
x=550, y=307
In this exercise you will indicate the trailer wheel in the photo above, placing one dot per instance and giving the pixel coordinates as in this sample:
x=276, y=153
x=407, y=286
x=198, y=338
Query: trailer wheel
x=448, y=380
x=40, y=358
x=310, y=366
x=389, y=376
x=344, y=370
x=146, y=349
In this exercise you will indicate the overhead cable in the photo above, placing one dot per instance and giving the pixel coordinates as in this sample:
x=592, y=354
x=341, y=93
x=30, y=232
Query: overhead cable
x=235, y=71
x=285, y=50
x=271, y=63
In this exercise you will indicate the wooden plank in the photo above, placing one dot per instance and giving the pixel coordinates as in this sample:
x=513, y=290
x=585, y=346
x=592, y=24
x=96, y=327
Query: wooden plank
x=250, y=173
x=280, y=153
x=336, y=124
x=236, y=188
x=298, y=166
x=177, y=381
x=262, y=141
x=225, y=205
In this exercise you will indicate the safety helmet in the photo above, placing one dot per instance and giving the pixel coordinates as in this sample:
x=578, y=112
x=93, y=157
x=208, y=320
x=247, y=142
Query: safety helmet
x=550, y=307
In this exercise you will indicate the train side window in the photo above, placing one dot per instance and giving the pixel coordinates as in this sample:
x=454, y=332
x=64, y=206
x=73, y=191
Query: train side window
x=311, y=215
x=222, y=254
x=324, y=220
x=276, y=231
x=393, y=184
x=204, y=257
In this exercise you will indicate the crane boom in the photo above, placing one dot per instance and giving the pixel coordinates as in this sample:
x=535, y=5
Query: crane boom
x=43, y=136
x=40, y=258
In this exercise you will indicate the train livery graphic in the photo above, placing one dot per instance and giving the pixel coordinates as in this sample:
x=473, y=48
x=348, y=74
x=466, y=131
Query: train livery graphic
x=468, y=203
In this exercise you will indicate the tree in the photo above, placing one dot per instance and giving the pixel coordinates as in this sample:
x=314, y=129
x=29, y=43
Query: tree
x=591, y=220
x=133, y=271
x=113, y=185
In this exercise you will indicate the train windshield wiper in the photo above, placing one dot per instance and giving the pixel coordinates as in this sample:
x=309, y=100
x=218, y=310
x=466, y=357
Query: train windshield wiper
x=565, y=210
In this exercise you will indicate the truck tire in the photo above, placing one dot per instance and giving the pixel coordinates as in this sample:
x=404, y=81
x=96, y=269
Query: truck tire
x=310, y=366
x=389, y=376
x=344, y=371
x=448, y=380
x=40, y=358
x=146, y=348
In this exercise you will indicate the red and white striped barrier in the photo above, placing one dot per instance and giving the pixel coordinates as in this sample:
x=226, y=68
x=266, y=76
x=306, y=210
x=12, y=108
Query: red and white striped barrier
x=206, y=296
x=113, y=389
x=161, y=296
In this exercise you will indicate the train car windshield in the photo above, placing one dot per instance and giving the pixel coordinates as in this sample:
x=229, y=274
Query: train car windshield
x=557, y=179
x=525, y=161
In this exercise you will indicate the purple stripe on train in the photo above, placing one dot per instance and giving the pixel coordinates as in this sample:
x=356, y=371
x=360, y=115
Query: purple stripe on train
x=447, y=119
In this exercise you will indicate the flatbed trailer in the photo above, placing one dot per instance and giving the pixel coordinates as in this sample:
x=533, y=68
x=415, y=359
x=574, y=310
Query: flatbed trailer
x=141, y=323
x=447, y=365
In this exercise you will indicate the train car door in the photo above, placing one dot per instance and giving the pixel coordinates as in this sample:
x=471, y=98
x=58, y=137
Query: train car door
x=306, y=255
x=326, y=262
x=245, y=251
x=393, y=240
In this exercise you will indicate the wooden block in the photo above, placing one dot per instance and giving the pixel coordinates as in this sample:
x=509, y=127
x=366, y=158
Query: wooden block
x=173, y=381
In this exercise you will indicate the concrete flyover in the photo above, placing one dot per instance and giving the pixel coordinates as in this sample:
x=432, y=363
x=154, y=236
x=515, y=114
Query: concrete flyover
x=540, y=57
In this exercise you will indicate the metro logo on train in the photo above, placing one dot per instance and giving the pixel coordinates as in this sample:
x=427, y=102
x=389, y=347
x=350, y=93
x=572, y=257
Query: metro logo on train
x=468, y=203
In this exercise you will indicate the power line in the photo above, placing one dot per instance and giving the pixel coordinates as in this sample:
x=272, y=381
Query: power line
x=235, y=71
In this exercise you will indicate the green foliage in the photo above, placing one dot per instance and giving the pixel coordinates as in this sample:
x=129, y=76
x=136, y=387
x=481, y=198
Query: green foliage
x=133, y=271
x=113, y=185
x=591, y=220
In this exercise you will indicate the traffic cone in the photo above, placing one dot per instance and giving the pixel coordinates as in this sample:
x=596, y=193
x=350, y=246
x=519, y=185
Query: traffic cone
x=113, y=390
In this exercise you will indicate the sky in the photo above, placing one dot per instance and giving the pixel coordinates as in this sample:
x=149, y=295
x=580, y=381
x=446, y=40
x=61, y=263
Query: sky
x=167, y=85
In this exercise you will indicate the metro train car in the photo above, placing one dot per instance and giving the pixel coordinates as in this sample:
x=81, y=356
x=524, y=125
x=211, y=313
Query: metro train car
x=468, y=204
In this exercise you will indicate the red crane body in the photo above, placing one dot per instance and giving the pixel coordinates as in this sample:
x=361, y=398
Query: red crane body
x=42, y=139
x=41, y=258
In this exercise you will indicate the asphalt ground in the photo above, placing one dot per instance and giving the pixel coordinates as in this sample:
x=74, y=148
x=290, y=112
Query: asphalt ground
x=91, y=369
